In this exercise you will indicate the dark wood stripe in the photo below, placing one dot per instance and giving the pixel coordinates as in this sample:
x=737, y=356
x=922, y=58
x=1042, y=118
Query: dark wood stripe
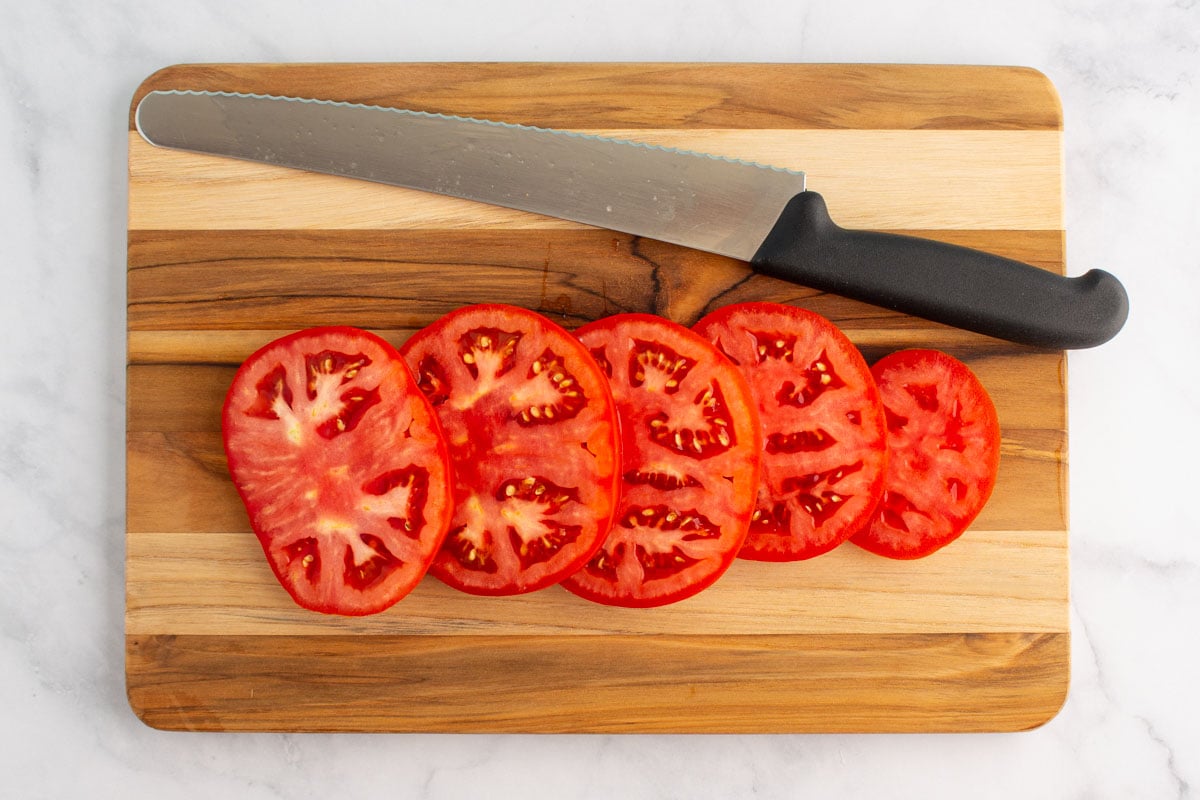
x=179, y=483
x=181, y=280
x=552, y=684
x=689, y=96
x=1027, y=388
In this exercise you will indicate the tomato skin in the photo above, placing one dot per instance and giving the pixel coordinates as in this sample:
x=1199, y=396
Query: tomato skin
x=689, y=463
x=340, y=463
x=533, y=437
x=944, y=439
x=823, y=427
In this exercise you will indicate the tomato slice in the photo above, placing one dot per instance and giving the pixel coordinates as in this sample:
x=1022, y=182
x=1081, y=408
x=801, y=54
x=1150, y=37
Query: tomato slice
x=689, y=463
x=533, y=438
x=823, y=427
x=340, y=463
x=944, y=441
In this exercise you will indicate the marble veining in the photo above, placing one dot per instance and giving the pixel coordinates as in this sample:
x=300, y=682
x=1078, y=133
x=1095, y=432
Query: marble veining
x=1127, y=73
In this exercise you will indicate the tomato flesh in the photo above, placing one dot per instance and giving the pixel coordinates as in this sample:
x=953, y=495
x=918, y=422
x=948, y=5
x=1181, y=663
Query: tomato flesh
x=532, y=432
x=340, y=463
x=824, y=451
x=689, y=463
x=944, y=440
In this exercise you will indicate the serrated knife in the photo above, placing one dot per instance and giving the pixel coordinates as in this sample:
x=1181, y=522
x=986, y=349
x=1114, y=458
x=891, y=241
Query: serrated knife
x=759, y=214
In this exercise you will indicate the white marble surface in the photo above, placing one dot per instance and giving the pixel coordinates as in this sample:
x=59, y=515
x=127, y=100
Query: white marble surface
x=1127, y=73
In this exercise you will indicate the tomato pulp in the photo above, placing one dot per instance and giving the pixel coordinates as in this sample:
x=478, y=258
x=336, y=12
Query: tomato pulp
x=532, y=431
x=338, y=459
x=689, y=463
x=944, y=440
x=823, y=427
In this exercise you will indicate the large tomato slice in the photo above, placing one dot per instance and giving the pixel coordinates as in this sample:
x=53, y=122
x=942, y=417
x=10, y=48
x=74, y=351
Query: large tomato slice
x=533, y=438
x=342, y=468
x=689, y=463
x=823, y=427
x=944, y=441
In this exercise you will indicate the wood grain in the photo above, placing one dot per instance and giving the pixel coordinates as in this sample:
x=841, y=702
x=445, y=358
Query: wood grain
x=179, y=280
x=683, y=96
x=1015, y=187
x=209, y=583
x=225, y=256
x=605, y=684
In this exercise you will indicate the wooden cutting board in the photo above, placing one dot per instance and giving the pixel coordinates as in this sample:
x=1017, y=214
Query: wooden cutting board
x=225, y=256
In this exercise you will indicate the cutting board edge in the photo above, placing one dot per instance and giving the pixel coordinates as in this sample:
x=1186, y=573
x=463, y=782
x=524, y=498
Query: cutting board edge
x=1062, y=677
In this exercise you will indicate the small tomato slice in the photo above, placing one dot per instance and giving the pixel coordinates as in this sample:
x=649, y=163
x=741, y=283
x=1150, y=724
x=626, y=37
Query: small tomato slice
x=689, y=463
x=944, y=443
x=824, y=445
x=340, y=463
x=532, y=431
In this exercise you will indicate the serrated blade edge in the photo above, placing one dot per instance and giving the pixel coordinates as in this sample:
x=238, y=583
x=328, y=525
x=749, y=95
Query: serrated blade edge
x=697, y=200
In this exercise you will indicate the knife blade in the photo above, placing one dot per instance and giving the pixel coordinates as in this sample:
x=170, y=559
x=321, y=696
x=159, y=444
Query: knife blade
x=757, y=213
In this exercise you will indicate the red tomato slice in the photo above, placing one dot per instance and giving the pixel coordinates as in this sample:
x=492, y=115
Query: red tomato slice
x=533, y=437
x=823, y=427
x=689, y=463
x=944, y=440
x=341, y=466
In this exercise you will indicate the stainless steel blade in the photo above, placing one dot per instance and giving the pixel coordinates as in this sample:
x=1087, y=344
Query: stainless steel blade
x=700, y=201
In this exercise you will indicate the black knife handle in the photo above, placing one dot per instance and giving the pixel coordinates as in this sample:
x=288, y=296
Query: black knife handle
x=946, y=283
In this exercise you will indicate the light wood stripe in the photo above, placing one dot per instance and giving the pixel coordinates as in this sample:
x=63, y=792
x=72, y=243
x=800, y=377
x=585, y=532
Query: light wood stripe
x=988, y=582
x=985, y=180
